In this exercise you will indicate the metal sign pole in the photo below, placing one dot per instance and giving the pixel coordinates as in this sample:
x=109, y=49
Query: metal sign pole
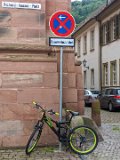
x=61, y=87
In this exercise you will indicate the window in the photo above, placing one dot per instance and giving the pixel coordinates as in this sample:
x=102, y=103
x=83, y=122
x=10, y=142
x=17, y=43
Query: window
x=104, y=34
x=105, y=74
x=85, y=79
x=118, y=25
x=108, y=92
x=92, y=77
x=110, y=30
x=78, y=47
x=92, y=40
x=85, y=45
x=113, y=29
x=113, y=72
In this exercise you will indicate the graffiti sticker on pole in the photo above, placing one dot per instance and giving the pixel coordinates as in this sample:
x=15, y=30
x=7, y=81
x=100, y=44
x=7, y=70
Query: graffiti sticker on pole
x=62, y=23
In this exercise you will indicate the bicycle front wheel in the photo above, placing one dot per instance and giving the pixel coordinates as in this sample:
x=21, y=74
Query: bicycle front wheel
x=83, y=140
x=33, y=140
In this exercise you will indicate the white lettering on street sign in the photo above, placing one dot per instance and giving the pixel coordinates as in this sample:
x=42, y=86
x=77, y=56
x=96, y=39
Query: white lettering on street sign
x=21, y=5
x=68, y=42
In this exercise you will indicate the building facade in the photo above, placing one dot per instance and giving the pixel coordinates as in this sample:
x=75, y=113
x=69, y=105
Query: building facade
x=110, y=44
x=98, y=42
x=87, y=49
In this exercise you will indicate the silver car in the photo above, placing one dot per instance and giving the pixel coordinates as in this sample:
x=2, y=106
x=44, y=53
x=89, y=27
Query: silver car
x=88, y=97
x=110, y=98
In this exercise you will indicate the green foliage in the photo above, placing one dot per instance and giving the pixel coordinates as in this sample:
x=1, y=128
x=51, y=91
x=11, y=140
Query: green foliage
x=82, y=9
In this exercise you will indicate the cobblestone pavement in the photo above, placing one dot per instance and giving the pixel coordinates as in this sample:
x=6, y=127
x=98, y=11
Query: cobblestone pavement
x=109, y=149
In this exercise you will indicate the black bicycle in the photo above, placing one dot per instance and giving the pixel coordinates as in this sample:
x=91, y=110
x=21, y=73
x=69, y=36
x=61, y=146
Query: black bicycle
x=81, y=139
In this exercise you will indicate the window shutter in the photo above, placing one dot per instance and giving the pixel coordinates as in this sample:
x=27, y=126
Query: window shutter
x=116, y=27
x=119, y=25
x=101, y=35
x=108, y=31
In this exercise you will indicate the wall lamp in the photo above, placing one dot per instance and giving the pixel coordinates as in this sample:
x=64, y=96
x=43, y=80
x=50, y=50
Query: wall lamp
x=85, y=64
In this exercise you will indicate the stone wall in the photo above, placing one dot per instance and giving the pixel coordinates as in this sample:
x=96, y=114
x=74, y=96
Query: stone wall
x=23, y=25
x=29, y=70
x=34, y=75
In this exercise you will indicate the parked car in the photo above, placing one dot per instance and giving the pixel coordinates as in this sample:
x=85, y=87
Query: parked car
x=110, y=98
x=88, y=97
x=95, y=93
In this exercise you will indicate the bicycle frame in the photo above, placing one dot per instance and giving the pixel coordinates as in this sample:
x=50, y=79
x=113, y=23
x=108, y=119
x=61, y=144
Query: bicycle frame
x=49, y=121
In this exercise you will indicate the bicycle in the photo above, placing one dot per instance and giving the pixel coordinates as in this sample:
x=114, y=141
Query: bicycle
x=81, y=139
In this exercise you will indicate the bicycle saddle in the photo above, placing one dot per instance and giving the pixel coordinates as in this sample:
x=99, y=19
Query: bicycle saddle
x=74, y=113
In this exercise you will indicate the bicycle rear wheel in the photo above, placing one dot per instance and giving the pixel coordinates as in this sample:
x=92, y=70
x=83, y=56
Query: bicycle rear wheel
x=83, y=140
x=33, y=140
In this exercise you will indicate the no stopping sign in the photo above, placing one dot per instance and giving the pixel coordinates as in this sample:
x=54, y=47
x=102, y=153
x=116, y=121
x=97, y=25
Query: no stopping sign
x=62, y=23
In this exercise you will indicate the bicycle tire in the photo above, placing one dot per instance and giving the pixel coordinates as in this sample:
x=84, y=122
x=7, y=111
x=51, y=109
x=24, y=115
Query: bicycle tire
x=83, y=140
x=33, y=140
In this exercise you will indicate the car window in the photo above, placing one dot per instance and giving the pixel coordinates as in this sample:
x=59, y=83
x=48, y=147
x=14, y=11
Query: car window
x=107, y=92
x=118, y=91
x=85, y=92
x=102, y=92
x=111, y=91
x=95, y=92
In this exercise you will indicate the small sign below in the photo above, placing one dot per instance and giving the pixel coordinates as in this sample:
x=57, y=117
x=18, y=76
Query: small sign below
x=21, y=5
x=61, y=42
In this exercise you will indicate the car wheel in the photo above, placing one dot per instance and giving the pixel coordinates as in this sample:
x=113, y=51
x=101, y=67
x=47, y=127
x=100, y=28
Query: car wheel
x=110, y=107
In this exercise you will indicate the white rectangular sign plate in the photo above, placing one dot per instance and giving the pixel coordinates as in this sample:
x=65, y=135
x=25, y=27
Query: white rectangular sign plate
x=21, y=5
x=61, y=42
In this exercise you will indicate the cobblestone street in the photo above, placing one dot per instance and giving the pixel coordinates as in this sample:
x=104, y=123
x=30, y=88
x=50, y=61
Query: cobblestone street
x=109, y=149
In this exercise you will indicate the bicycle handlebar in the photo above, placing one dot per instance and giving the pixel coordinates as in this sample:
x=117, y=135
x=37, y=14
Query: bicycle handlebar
x=51, y=112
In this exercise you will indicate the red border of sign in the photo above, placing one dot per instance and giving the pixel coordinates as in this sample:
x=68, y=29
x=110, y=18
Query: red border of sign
x=56, y=14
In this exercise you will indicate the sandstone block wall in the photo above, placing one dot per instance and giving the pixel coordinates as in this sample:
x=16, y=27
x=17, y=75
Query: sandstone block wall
x=29, y=70
x=23, y=25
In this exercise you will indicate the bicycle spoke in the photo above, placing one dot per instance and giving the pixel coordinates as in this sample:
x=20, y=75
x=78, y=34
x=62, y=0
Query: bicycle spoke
x=83, y=140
